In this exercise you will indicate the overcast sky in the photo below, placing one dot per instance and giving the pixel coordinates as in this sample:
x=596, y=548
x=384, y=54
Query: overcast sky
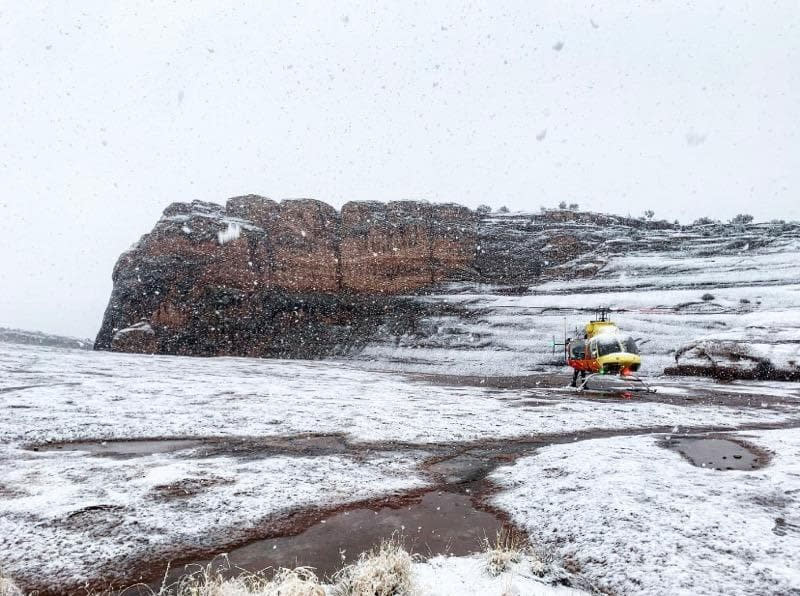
x=112, y=110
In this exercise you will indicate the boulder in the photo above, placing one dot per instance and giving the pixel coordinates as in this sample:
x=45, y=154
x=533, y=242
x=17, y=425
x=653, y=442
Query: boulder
x=765, y=346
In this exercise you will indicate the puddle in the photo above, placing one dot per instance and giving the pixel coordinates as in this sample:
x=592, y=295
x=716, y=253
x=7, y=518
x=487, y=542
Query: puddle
x=311, y=445
x=716, y=453
x=530, y=403
x=124, y=449
x=242, y=447
x=532, y=381
x=433, y=523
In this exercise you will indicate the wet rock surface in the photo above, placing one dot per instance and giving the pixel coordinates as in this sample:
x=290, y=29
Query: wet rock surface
x=718, y=453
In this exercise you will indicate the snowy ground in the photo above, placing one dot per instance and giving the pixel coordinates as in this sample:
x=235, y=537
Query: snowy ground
x=62, y=395
x=640, y=519
x=466, y=576
x=67, y=516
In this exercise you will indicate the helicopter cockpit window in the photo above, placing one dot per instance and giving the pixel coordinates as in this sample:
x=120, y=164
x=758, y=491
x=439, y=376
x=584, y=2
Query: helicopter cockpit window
x=607, y=345
x=629, y=345
x=577, y=349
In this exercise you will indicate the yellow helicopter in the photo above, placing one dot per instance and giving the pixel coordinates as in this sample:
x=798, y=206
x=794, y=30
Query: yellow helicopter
x=604, y=352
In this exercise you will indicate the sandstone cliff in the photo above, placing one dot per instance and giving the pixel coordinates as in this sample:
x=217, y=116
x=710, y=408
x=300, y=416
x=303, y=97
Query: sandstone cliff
x=295, y=278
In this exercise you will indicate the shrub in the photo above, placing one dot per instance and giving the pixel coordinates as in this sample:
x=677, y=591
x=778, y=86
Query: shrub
x=383, y=571
x=562, y=205
x=707, y=297
x=483, y=209
x=7, y=587
x=742, y=218
x=508, y=547
x=209, y=581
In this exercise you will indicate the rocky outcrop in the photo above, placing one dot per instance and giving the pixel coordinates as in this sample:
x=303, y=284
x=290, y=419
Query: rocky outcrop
x=762, y=346
x=418, y=282
x=400, y=247
x=37, y=338
x=291, y=279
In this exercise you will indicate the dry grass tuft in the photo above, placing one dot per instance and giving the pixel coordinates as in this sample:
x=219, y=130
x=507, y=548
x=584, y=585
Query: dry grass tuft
x=301, y=581
x=508, y=547
x=210, y=581
x=286, y=582
x=8, y=588
x=383, y=571
x=511, y=547
x=542, y=561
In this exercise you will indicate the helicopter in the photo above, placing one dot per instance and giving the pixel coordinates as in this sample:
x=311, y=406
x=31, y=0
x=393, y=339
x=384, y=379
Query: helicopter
x=603, y=352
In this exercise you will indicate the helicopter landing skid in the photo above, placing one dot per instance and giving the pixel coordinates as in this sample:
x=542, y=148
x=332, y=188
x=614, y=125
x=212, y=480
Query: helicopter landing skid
x=634, y=385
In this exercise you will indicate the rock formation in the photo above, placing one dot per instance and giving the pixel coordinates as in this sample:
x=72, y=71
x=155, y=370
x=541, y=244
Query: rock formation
x=37, y=338
x=761, y=346
x=295, y=278
x=416, y=284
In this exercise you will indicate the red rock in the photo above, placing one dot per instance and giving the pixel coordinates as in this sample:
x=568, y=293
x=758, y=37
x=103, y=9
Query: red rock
x=304, y=237
x=402, y=246
x=251, y=277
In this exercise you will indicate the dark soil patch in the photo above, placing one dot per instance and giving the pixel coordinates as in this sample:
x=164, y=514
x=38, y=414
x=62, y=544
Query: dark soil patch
x=96, y=520
x=537, y=381
x=554, y=387
x=729, y=373
x=7, y=492
x=22, y=387
x=188, y=487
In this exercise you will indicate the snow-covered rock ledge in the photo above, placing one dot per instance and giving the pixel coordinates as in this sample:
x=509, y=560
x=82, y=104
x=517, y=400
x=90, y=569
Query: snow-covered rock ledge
x=764, y=346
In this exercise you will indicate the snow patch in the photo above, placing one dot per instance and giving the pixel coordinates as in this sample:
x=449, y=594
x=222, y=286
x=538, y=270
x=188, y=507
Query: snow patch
x=232, y=232
x=467, y=576
x=140, y=327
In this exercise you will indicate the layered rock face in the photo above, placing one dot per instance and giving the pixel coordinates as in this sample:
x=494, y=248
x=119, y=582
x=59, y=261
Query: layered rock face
x=291, y=279
x=399, y=247
x=437, y=287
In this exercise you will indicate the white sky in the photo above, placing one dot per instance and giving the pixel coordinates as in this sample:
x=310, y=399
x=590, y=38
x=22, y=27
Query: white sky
x=113, y=110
